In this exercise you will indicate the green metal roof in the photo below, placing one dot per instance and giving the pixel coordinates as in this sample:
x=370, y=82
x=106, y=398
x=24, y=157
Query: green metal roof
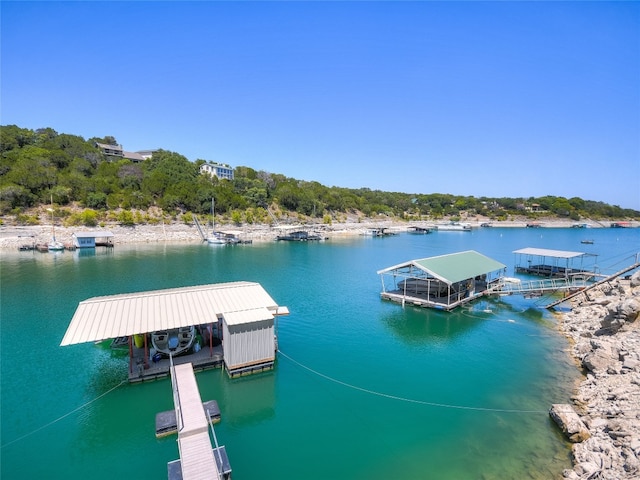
x=454, y=267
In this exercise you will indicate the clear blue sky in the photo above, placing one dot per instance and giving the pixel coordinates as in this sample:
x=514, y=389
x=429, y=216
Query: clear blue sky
x=505, y=99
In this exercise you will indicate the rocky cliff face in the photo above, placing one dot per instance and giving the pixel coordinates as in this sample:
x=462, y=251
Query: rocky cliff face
x=604, y=326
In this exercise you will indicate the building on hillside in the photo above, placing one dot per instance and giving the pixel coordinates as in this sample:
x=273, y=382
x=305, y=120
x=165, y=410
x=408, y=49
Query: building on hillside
x=135, y=157
x=117, y=151
x=147, y=154
x=110, y=150
x=219, y=170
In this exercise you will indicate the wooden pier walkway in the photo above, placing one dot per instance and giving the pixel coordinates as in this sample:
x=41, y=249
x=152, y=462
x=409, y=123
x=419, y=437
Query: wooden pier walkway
x=197, y=460
x=577, y=285
x=537, y=288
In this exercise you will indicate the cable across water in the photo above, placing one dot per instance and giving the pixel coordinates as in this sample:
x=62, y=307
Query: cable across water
x=404, y=399
x=62, y=417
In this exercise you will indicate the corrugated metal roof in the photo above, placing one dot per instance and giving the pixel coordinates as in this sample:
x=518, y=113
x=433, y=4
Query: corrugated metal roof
x=113, y=316
x=453, y=267
x=247, y=316
x=543, y=252
x=93, y=234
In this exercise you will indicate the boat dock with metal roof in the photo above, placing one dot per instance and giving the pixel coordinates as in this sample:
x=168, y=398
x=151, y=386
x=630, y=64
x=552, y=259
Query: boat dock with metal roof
x=442, y=282
x=236, y=325
x=543, y=262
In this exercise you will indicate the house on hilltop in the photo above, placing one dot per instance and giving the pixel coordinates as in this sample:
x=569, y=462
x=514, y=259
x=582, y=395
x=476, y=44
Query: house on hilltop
x=111, y=150
x=219, y=170
x=117, y=151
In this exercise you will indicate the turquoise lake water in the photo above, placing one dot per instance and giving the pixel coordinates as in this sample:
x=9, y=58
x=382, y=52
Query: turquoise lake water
x=362, y=388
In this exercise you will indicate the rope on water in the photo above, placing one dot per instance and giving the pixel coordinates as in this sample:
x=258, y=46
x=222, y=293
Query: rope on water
x=62, y=417
x=403, y=399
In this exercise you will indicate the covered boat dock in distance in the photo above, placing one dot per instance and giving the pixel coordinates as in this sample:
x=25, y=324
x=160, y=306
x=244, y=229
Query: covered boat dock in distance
x=442, y=282
x=543, y=262
x=235, y=325
x=92, y=239
x=298, y=233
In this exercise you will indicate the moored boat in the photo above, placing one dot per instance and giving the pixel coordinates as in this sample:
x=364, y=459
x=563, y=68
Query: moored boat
x=175, y=341
x=454, y=227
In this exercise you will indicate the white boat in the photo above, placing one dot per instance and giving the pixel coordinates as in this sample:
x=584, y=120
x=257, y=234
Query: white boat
x=215, y=238
x=454, y=227
x=175, y=341
x=54, y=245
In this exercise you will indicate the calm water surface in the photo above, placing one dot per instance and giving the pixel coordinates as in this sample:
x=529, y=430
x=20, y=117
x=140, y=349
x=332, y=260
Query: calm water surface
x=362, y=389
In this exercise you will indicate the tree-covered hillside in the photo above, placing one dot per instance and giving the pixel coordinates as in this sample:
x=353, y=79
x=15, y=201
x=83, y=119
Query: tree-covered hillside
x=41, y=166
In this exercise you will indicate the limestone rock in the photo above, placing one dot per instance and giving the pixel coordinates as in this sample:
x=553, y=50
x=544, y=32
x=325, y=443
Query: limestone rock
x=569, y=422
x=598, y=360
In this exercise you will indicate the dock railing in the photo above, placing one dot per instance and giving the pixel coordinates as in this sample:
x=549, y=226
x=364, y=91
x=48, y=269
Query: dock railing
x=217, y=449
x=543, y=286
x=176, y=394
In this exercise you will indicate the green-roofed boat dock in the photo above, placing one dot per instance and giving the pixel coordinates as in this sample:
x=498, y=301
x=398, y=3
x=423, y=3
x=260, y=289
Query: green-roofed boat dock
x=443, y=282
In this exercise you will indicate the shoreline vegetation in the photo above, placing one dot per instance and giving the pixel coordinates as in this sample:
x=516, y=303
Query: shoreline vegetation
x=602, y=327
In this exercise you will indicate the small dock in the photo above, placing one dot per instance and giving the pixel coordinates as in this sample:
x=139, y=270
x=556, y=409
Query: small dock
x=419, y=230
x=544, y=262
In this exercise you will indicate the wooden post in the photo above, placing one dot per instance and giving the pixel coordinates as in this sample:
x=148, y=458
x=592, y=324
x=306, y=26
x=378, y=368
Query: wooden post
x=130, y=354
x=211, y=341
x=146, y=352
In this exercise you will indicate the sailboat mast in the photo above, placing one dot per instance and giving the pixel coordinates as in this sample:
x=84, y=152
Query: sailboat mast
x=53, y=231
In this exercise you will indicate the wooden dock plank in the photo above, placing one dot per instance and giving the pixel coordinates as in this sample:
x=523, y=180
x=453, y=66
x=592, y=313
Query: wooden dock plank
x=191, y=419
x=196, y=457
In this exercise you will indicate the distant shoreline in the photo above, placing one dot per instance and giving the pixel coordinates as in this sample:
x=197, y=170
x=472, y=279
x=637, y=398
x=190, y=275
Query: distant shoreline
x=12, y=237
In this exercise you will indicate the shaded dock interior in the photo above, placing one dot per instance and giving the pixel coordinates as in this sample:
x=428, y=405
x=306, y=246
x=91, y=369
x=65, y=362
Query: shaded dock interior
x=544, y=262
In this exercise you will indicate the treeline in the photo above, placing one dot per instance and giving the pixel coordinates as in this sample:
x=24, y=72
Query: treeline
x=42, y=166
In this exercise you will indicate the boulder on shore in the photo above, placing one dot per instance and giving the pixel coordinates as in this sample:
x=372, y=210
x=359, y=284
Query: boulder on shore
x=568, y=420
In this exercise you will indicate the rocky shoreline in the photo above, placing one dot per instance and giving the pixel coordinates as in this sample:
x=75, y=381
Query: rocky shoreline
x=604, y=330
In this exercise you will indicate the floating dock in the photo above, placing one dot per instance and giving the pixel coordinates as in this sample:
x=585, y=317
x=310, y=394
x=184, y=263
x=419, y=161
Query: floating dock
x=241, y=313
x=167, y=424
x=543, y=262
x=443, y=282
